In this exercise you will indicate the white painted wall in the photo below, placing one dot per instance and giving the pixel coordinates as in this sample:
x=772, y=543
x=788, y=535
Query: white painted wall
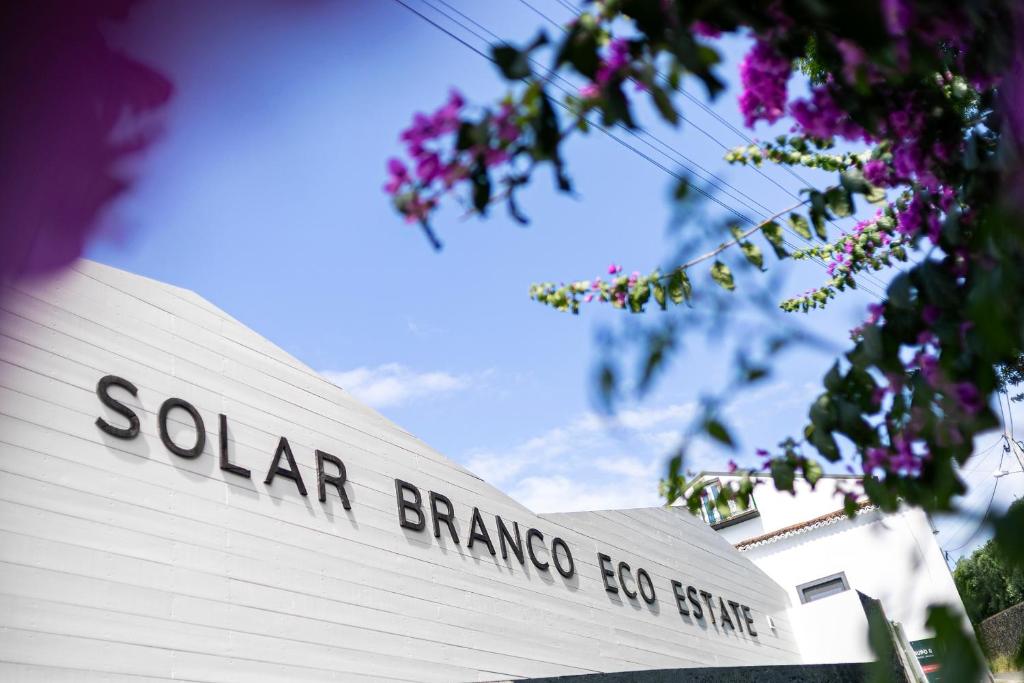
x=833, y=630
x=119, y=559
x=893, y=558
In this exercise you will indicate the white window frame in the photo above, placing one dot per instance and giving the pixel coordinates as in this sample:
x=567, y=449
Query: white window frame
x=709, y=491
x=804, y=599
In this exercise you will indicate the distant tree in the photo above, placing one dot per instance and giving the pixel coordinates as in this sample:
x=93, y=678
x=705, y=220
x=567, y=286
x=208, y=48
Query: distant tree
x=987, y=582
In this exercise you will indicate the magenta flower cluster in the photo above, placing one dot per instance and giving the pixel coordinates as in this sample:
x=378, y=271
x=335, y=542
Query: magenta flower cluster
x=907, y=453
x=904, y=457
x=764, y=74
x=437, y=166
x=613, y=65
x=821, y=117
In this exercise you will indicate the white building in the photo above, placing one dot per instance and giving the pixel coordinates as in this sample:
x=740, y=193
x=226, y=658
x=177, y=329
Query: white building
x=180, y=499
x=822, y=558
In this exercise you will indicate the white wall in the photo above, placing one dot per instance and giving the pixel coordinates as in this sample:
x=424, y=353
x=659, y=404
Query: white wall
x=118, y=557
x=832, y=630
x=893, y=558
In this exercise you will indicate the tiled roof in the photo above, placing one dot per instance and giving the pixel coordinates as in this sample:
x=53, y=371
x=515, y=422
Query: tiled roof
x=827, y=519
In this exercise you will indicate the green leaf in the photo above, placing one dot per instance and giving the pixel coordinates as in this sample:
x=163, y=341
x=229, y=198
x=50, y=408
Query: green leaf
x=721, y=274
x=957, y=652
x=681, y=189
x=679, y=289
x=839, y=201
x=818, y=214
x=818, y=220
x=833, y=378
x=514, y=64
x=876, y=195
x=717, y=431
x=854, y=182
x=772, y=232
x=783, y=475
x=823, y=441
x=1009, y=530
x=481, y=188
x=664, y=105
x=799, y=223
x=617, y=107
x=659, y=293
x=812, y=472
x=580, y=49
x=822, y=413
x=753, y=254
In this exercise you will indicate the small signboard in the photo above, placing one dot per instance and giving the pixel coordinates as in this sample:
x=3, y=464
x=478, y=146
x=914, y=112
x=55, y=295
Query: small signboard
x=926, y=656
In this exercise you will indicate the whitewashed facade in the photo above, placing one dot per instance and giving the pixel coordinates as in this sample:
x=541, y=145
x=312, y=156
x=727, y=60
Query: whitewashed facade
x=122, y=561
x=805, y=540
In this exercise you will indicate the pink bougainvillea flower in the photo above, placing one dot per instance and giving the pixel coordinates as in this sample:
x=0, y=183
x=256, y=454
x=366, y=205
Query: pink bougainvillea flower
x=398, y=176
x=612, y=65
x=821, y=117
x=590, y=91
x=764, y=73
x=968, y=397
x=705, y=30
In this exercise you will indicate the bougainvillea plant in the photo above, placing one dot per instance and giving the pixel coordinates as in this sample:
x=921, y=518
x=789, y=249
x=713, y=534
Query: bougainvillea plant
x=929, y=96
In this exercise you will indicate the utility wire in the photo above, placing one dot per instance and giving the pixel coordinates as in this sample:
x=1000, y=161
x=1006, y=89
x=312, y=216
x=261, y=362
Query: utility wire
x=991, y=499
x=865, y=276
x=552, y=75
x=604, y=130
x=984, y=519
x=691, y=165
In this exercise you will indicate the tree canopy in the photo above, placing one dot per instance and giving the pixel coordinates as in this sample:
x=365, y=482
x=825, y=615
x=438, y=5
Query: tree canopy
x=988, y=582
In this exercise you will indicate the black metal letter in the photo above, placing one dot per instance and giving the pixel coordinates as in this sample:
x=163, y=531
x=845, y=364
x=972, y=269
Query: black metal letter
x=515, y=543
x=736, y=611
x=606, y=572
x=275, y=469
x=197, y=419
x=555, y=544
x=530, y=535
x=447, y=517
x=680, y=598
x=749, y=620
x=707, y=601
x=225, y=462
x=622, y=582
x=724, y=614
x=691, y=595
x=478, y=531
x=102, y=390
x=403, y=505
x=337, y=481
x=642, y=574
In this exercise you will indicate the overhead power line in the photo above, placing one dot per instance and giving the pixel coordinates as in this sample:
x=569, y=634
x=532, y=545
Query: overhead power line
x=984, y=519
x=746, y=138
x=1004, y=440
x=714, y=180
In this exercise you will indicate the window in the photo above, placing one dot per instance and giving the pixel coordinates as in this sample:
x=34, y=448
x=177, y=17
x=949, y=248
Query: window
x=709, y=505
x=822, y=588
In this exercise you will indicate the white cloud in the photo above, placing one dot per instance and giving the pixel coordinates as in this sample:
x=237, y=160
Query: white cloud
x=563, y=494
x=590, y=462
x=392, y=384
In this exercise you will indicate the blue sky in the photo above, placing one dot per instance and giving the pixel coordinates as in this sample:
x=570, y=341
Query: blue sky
x=265, y=197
